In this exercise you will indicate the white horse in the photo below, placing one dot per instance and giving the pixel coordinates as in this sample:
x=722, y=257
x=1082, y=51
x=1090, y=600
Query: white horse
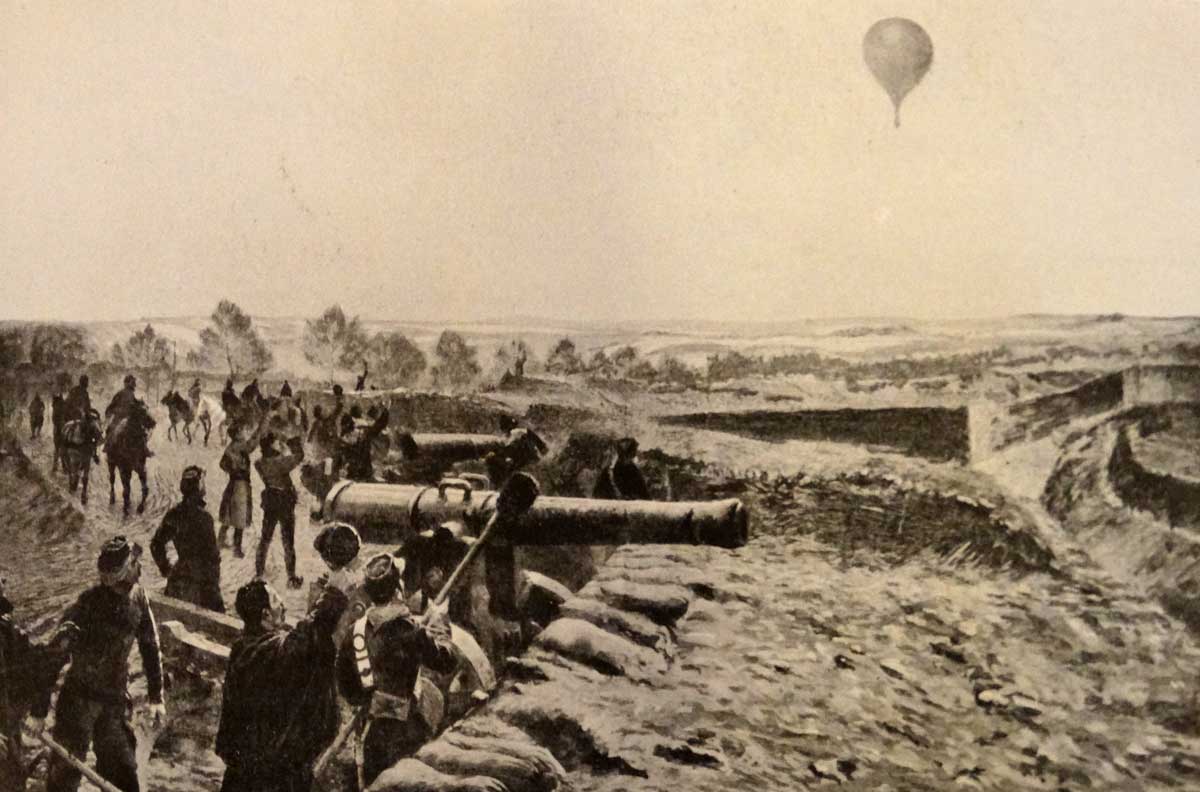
x=210, y=414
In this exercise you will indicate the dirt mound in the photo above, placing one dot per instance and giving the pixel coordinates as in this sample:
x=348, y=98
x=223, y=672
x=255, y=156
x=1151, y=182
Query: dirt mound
x=1125, y=536
x=897, y=520
x=32, y=505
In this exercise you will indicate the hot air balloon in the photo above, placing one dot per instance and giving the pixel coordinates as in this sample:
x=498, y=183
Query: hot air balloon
x=898, y=52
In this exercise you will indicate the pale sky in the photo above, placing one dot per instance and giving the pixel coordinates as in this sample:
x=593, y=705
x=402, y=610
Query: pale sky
x=617, y=159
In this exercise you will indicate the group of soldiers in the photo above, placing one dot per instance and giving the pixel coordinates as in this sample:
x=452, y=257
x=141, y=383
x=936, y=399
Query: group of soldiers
x=76, y=405
x=363, y=636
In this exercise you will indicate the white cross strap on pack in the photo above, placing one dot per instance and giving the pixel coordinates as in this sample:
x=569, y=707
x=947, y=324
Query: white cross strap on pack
x=362, y=658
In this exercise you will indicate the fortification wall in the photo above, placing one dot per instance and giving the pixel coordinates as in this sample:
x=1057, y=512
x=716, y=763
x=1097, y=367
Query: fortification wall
x=937, y=433
x=996, y=429
x=1169, y=497
x=1162, y=385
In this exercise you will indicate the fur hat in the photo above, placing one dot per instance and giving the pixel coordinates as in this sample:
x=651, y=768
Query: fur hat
x=192, y=481
x=338, y=544
x=252, y=599
x=381, y=578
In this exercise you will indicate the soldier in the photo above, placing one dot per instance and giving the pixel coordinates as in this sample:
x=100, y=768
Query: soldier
x=430, y=558
x=58, y=420
x=279, y=502
x=251, y=394
x=286, y=391
x=123, y=401
x=338, y=544
x=354, y=449
x=94, y=706
x=79, y=401
x=524, y=448
x=280, y=702
x=28, y=670
x=378, y=665
x=194, y=394
x=229, y=398
x=37, y=416
x=361, y=385
x=237, y=507
x=196, y=575
x=623, y=480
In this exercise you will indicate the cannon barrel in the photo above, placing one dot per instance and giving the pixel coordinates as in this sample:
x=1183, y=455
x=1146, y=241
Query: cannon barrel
x=393, y=512
x=449, y=448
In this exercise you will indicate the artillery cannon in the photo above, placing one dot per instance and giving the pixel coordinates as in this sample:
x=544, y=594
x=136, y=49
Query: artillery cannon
x=393, y=512
x=399, y=512
x=426, y=457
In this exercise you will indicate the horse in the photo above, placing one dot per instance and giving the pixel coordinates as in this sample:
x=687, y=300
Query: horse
x=127, y=449
x=80, y=438
x=179, y=410
x=209, y=414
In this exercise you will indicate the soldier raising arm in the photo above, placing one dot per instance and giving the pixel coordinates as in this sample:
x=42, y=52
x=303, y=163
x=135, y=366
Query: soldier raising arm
x=280, y=704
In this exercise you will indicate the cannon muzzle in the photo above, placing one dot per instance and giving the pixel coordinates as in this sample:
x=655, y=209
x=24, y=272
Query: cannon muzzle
x=394, y=512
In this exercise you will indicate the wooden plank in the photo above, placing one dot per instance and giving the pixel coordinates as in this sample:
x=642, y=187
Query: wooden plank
x=217, y=626
x=189, y=648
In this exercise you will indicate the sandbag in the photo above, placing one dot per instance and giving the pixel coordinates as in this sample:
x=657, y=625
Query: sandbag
x=663, y=604
x=634, y=626
x=607, y=653
x=513, y=772
x=526, y=751
x=409, y=775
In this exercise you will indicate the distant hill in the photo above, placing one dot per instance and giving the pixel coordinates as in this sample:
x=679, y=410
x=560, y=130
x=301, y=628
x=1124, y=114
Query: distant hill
x=1029, y=338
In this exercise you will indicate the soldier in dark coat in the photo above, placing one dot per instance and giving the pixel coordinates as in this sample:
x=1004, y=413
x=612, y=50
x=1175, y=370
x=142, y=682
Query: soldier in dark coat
x=195, y=576
x=624, y=479
x=354, y=449
x=285, y=392
x=79, y=401
x=279, y=502
x=94, y=705
x=124, y=401
x=229, y=398
x=28, y=671
x=280, y=701
x=251, y=394
x=37, y=416
x=378, y=665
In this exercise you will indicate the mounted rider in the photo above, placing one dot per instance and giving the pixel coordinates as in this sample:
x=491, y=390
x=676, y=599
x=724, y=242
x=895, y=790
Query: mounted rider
x=78, y=402
x=194, y=394
x=121, y=407
x=123, y=402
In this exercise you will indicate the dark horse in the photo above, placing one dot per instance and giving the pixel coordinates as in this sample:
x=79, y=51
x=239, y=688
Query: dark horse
x=127, y=449
x=179, y=410
x=80, y=439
